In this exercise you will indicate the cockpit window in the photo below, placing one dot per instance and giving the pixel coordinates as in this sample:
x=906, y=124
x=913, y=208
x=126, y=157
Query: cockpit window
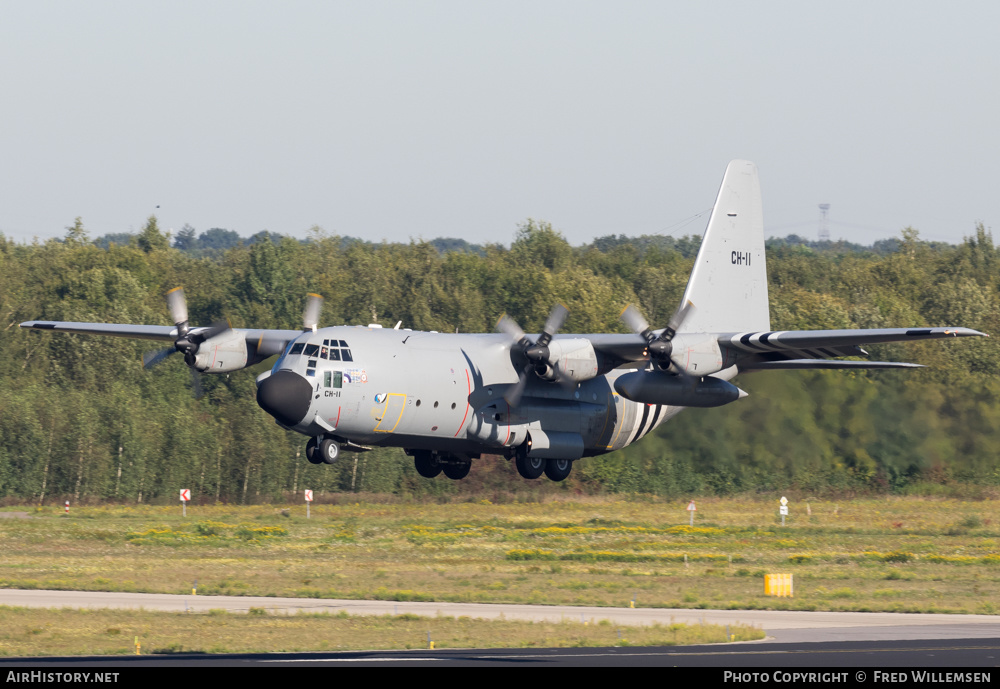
x=312, y=350
x=297, y=348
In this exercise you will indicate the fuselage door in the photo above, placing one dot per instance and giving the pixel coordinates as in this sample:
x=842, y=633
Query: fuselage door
x=391, y=413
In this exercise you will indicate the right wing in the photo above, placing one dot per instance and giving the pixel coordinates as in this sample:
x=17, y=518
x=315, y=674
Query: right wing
x=264, y=343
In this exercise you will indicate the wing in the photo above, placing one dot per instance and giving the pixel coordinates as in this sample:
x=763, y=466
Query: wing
x=814, y=348
x=264, y=342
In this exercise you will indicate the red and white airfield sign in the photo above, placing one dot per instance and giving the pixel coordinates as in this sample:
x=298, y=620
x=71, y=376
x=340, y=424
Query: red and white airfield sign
x=185, y=494
x=309, y=496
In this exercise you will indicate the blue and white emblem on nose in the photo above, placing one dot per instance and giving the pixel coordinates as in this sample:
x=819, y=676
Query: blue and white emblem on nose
x=380, y=398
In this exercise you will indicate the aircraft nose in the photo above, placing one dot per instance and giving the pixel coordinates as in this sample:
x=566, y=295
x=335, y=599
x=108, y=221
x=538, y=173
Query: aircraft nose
x=285, y=396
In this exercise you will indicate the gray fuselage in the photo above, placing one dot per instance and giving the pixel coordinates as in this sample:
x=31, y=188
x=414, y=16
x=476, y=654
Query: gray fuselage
x=444, y=392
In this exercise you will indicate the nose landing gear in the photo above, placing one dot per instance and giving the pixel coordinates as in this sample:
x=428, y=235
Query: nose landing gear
x=322, y=450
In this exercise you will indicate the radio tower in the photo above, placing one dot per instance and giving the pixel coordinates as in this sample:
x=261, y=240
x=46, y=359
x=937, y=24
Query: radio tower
x=824, y=227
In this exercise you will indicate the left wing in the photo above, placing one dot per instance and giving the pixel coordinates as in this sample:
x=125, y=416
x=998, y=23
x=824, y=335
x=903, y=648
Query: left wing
x=814, y=348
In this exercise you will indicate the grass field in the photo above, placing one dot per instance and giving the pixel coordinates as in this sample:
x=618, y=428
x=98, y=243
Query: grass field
x=35, y=632
x=889, y=554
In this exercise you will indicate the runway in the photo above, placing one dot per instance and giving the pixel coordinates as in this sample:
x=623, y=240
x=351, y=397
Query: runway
x=781, y=626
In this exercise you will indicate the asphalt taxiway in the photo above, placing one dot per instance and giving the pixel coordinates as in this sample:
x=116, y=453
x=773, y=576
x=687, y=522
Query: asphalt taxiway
x=782, y=626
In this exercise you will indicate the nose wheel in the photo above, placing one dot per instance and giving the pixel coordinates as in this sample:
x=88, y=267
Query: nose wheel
x=322, y=450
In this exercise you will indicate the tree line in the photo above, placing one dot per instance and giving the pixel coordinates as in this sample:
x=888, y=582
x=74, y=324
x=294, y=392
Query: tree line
x=81, y=419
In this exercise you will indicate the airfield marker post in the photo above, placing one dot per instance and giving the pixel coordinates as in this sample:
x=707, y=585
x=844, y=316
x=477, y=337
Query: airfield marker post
x=783, y=510
x=309, y=499
x=691, y=510
x=185, y=496
x=67, y=507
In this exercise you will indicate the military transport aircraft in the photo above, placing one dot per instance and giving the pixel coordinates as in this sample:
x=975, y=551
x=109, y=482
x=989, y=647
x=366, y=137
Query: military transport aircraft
x=543, y=400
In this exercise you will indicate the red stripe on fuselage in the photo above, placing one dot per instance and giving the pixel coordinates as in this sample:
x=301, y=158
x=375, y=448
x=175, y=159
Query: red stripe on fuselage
x=469, y=382
x=508, y=424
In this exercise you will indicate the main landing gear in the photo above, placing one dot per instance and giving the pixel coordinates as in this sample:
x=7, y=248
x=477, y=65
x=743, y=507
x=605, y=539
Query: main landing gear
x=534, y=467
x=430, y=465
x=322, y=450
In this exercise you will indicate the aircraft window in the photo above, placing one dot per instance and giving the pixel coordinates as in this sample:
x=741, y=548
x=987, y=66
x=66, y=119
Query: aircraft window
x=334, y=355
x=312, y=363
x=327, y=342
x=345, y=354
x=297, y=348
x=323, y=353
x=311, y=372
x=338, y=379
x=327, y=379
x=343, y=344
x=312, y=350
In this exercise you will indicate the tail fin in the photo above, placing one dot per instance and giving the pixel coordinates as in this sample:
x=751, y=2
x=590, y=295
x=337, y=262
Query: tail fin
x=728, y=285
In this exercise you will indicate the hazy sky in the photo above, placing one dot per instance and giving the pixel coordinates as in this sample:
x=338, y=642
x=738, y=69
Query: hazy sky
x=419, y=118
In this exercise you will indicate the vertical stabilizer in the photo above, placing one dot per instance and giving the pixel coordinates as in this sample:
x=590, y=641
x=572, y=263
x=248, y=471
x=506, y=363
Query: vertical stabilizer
x=728, y=285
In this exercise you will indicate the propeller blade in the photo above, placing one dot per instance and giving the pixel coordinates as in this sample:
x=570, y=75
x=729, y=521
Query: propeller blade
x=682, y=373
x=555, y=320
x=635, y=321
x=196, y=386
x=310, y=317
x=151, y=359
x=211, y=331
x=178, y=310
x=677, y=320
x=509, y=326
x=513, y=394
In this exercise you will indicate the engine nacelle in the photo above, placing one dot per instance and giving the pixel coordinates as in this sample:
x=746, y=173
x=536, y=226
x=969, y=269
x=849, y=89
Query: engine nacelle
x=657, y=387
x=698, y=354
x=223, y=353
x=573, y=359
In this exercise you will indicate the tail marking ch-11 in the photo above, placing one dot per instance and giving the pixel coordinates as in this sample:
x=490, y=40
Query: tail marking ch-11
x=543, y=400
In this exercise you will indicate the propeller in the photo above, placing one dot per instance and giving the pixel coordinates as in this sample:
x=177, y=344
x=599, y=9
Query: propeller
x=537, y=353
x=187, y=342
x=660, y=347
x=310, y=317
